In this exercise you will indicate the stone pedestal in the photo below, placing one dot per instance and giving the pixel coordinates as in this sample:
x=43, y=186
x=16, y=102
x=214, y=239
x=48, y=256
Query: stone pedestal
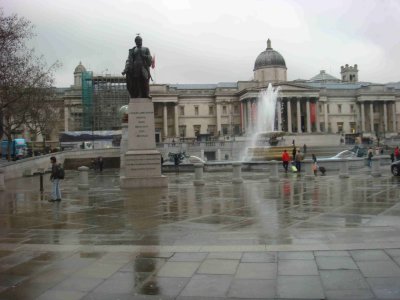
x=273, y=174
x=142, y=161
x=198, y=174
x=237, y=172
x=83, y=178
x=2, y=185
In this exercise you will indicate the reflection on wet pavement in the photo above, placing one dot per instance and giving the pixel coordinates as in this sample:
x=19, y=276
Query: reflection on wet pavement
x=293, y=212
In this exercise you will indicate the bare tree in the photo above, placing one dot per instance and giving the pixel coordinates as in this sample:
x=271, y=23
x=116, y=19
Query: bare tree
x=22, y=74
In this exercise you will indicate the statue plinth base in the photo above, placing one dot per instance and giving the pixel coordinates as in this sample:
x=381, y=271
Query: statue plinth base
x=142, y=162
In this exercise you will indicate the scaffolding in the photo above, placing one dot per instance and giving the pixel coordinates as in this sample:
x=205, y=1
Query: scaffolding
x=102, y=99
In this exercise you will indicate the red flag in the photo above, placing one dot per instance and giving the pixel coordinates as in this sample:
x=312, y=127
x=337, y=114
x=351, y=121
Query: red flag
x=153, y=62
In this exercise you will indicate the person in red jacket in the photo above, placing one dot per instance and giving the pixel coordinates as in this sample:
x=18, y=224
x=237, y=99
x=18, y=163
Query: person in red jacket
x=397, y=153
x=285, y=160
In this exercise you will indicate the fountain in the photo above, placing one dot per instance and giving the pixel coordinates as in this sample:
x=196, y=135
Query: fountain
x=263, y=130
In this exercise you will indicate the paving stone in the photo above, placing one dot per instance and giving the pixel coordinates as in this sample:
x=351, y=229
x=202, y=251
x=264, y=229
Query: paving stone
x=331, y=253
x=120, y=282
x=393, y=252
x=178, y=269
x=191, y=256
x=336, y=263
x=296, y=255
x=170, y=286
x=349, y=295
x=61, y=295
x=297, y=267
x=385, y=288
x=361, y=255
x=376, y=268
x=259, y=257
x=76, y=283
x=218, y=266
x=343, y=280
x=224, y=255
x=257, y=271
x=207, y=286
x=252, y=288
x=300, y=287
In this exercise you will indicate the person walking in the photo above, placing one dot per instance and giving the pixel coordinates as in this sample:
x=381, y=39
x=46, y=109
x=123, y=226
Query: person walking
x=369, y=156
x=315, y=164
x=397, y=153
x=100, y=163
x=294, y=153
x=285, y=160
x=304, y=149
x=297, y=160
x=55, y=179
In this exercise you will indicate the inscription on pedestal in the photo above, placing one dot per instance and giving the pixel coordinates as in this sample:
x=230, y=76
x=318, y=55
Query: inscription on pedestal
x=141, y=125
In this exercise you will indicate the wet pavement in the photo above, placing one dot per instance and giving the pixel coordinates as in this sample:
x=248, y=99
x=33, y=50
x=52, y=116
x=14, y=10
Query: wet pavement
x=299, y=238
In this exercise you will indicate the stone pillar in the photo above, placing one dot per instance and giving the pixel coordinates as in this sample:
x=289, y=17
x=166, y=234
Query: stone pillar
x=83, y=178
x=298, y=116
x=176, y=120
x=249, y=128
x=317, y=123
x=66, y=118
x=218, y=112
x=123, y=147
x=394, y=117
x=165, y=121
x=371, y=116
x=344, y=168
x=308, y=117
x=326, y=117
x=362, y=117
x=385, y=117
x=218, y=154
x=279, y=112
x=202, y=154
x=2, y=184
x=237, y=172
x=273, y=175
x=198, y=174
x=289, y=115
x=376, y=167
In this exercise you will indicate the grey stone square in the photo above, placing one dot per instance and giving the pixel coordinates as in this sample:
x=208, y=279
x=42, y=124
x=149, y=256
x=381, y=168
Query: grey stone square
x=188, y=256
x=257, y=271
x=296, y=255
x=218, y=266
x=259, y=257
x=178, y=269
x=343, y=280
x=376, y=268
x=336, y=263
x=332, y=253
x=252, y=288
x=207, y=286
x=385, y=288
x=297, y=267
x=300, y=287
x=360, y=255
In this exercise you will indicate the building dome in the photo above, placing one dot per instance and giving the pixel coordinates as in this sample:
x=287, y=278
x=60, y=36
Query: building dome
x=269, y=58
x=79, y=68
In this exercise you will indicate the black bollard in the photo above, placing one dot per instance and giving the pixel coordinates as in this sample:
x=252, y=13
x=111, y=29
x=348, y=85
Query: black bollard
x=41, y=182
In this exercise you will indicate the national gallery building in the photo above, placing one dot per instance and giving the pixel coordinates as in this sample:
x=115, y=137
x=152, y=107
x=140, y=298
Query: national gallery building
x=321, y=104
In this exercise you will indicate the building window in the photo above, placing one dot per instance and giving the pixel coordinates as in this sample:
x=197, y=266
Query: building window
x=211, y=110
x=182, y=130
x=196, y=110
x=156, y=107
x=352, y=108
x=374, y=108
x=320, y=108
x=211, y=129
x=327, y=108
x=339, y=127
x=181, y=110
x=236, y=109
x=352, y=126
x=224, y=128
x=196, y=129
x=224, y=111
x=236, y=129
x=339, y=108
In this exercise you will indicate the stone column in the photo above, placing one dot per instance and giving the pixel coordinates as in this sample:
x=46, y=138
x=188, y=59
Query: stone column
x=394, y=117
x=385, y=117
x=371, y=116
x=198, y=174
x=83, y=178
x=317, y=124
x=279, y=112
x=249, y=128
x=176, y=120
x=362, y=117
x=289, y=115
x=165, y=121
x=66, y=118
x=237, y=172
x=218, y=154
x=308, y=117
x=344, y=168
x=298, y=116
x=218, y=112
x=326, y=117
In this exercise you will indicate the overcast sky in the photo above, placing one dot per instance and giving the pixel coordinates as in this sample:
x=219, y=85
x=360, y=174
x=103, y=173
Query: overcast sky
x=211, y=41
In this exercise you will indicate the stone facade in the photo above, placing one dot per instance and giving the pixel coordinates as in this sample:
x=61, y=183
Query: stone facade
x=323, y=104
